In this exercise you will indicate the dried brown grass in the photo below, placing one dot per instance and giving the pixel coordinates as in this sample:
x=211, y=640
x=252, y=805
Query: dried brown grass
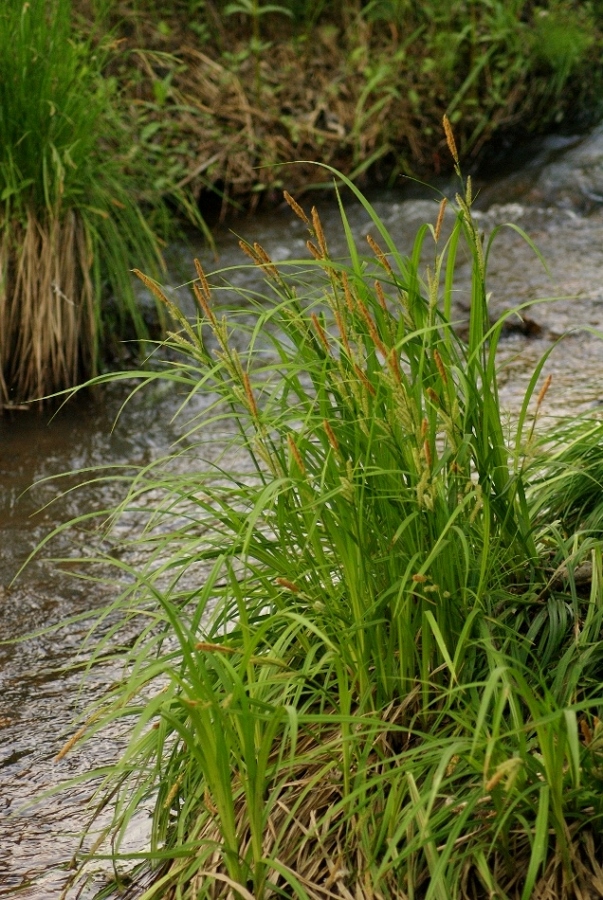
x=308, y=109
x=47, y=322
x=349, y=97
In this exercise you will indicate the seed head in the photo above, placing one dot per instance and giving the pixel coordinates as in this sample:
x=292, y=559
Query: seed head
x=253, y=407
x=371, y=326
x=296, y=208
x=264, y=261
x=343, y=332
x=284, y=582
x=440, y=366
x=206, y=647
x=379, y=254
x=320, y=235
x=296, y=454
x=203, y=280
x=347, y=292
x=71, y=743
x=450, y=139
x=320, y=332
x=313, y=250
x=543, y=391
x=427, y=453
x=440, y=219
x=380, y=296
x=331, y=436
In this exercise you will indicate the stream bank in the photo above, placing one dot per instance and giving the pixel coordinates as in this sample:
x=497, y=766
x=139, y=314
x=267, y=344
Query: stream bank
x=217, y=99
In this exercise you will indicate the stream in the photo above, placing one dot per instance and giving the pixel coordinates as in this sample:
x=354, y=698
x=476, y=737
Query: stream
x=555, y=194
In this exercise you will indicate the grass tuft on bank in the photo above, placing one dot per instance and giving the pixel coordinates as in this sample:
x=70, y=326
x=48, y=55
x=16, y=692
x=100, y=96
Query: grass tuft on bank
x=365, y=664
x=70, y=226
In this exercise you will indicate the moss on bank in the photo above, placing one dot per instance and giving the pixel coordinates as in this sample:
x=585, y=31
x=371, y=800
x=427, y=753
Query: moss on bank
x=219, y=94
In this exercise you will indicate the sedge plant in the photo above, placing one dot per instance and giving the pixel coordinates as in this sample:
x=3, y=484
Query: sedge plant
x=342, y=681
x=70, y=229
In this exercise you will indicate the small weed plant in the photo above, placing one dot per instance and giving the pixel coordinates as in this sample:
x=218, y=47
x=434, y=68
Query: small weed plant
x=365, y=665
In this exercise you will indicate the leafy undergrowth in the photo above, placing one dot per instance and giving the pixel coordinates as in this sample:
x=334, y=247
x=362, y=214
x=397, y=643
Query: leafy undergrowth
x=367, y=665
x=218, y=94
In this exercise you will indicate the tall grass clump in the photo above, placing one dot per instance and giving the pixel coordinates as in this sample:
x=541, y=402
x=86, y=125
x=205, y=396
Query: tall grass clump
x=69, y=228
x=354, y=674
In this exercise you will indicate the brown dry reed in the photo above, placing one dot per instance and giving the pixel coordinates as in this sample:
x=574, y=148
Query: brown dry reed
x=47, y=307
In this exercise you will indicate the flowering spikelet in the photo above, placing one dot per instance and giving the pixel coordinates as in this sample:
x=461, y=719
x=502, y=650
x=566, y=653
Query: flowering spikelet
x=296, y=208
x=247, y=250
x=433, y=396
x=364, y=379
x=320, y=235
x=71, y=742
x=205, y=288
x=284, y=582
x=587, y=734
x=200, y=298
x=154, y=288
x=543, y=391
x=379, y=254
x=320, y=332
x=331, y=436
x=264, y=261
x=394, y=364
x=424, y=496
x=450, y=139
x=432, y=288
x=203, y=294
x=371, y=326
x=380, y=296
x=347, y=292
x=173, y=791
x=440, y=219
x=313, y=250
x=296, y=454
x=427, y=453
x=440, y=365
x=343, y=332
x=506, y=770
x=253, y=408
x=214, y=648
x=405, y=410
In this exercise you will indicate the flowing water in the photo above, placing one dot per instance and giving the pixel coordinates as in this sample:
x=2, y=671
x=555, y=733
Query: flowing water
x=556, y=196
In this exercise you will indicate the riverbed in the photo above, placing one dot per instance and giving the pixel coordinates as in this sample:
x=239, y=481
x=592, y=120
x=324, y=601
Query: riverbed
x=556, y=196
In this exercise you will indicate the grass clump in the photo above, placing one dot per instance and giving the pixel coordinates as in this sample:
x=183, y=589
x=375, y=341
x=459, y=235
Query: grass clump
x=355, y=675
x=69, y=227
x=225, y=91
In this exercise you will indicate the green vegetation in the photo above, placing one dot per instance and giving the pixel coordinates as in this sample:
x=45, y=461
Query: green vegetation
x=366, y=663
x=361, y=86
x=70, y=227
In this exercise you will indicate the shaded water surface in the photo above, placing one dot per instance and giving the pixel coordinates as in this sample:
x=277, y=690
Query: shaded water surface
x=556, y=196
